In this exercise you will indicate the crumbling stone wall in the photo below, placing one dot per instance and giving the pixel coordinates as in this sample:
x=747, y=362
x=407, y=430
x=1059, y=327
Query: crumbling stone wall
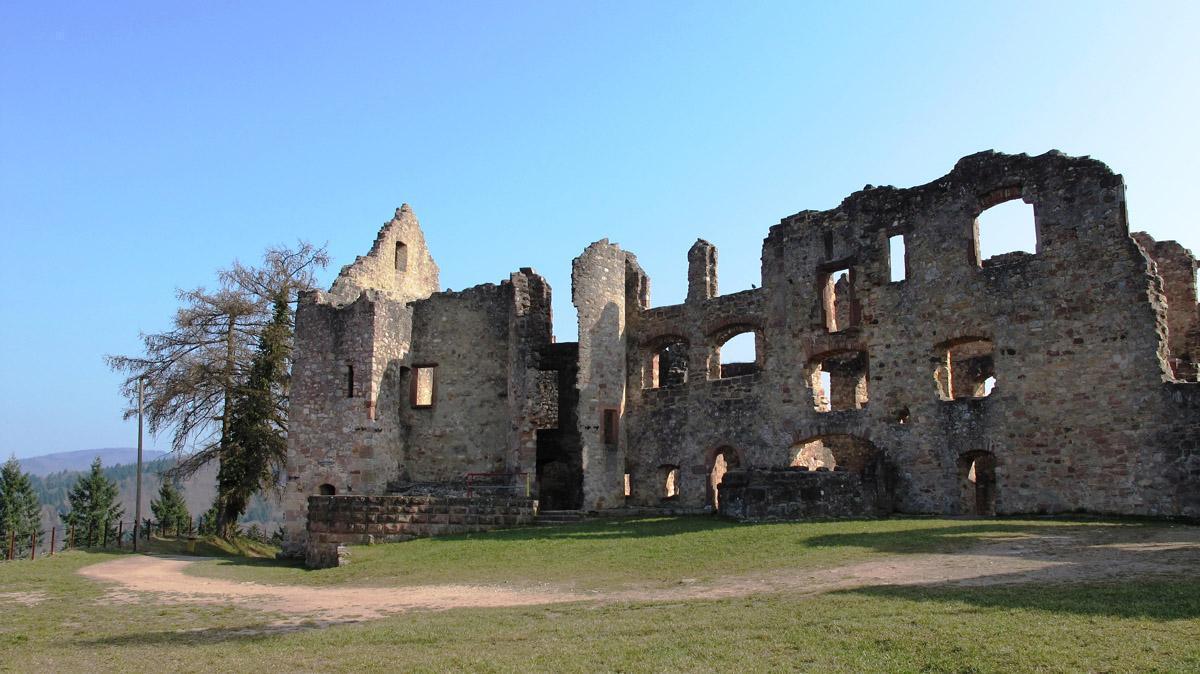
x=795, y=493
x=1054, y=381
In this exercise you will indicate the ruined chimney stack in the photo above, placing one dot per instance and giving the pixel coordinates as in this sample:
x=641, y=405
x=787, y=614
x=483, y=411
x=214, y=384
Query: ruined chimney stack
x=702, y=271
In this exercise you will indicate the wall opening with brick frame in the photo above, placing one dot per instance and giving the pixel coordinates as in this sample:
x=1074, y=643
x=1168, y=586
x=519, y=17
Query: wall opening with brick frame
x=666, y=362
x=423, y=386
x=401, y=256
x=720, y=461
x=668, y=476
x=839, y=381
x=839, y=309
x=737, y=351
x=835, y=452
x=977, y=477
x=965, y=368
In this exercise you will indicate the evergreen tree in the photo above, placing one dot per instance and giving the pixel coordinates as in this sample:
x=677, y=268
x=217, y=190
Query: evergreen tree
x=257, y=444
x=94, y=506
x=169, y=508
x=208, y=522
x=20, y=512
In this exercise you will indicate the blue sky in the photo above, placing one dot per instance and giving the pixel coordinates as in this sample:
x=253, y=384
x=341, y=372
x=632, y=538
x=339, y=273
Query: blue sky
x=144, y=145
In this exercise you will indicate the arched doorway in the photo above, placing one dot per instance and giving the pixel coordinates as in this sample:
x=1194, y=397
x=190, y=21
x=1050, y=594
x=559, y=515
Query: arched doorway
x=327, y=490
x=977, y=477
x=720, y=460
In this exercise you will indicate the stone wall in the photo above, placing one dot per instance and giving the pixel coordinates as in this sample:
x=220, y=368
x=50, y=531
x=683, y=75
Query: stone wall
x=334, y=521
x=797, y=493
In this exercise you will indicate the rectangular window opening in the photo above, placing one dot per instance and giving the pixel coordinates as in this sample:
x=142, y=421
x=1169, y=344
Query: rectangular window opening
x=837, y=300
x=898, y=257
x=423, y=385
x=401, y=256
x=610, y=427
x=349, y=381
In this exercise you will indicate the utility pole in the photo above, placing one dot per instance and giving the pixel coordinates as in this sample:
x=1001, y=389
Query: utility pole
x=137, y=507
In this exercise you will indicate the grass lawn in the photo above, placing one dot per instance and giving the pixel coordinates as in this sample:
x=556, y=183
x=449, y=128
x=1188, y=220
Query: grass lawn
x=656, y=552
x=1148, y=625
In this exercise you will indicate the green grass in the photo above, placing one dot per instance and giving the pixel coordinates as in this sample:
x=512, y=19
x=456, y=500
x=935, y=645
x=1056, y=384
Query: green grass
x=1143, y=625
x=656, y=552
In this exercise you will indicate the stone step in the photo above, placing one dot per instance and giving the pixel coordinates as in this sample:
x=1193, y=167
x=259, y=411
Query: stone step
x=560, y=516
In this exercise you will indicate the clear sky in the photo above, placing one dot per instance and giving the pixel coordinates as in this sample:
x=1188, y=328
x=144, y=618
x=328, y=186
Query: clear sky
x=144, y=145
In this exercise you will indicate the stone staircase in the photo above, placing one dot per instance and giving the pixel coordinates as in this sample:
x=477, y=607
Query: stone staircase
x=556, y=517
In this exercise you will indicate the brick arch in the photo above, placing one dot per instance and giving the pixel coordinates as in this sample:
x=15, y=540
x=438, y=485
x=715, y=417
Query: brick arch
x=717, y=337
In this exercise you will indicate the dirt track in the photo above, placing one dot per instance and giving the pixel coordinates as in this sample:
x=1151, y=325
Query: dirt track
x=1089, y=553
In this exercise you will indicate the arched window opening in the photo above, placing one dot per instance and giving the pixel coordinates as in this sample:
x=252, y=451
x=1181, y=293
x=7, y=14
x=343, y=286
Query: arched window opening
x=327, y=490
x=977, y=477
x=669, y=478
x=722, y=460
x=839, y=381
x=836, y=452
x=667, y=364
x=1006, y=230
x=838, y=305
x=738, y=352
x=401, y=256
x=965, y=369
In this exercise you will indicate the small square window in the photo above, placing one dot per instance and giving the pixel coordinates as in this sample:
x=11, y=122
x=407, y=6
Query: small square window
x=424, y=385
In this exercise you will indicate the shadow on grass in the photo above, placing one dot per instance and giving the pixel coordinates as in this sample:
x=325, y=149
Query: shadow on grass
x=198, y=637
x=1151, y=599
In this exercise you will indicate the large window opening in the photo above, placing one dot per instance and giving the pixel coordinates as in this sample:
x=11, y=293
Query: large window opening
x=401, y=256
x=722, y=460
x=977, y=475
x=669, y=479
x=897, y=258
x=667, y=364
x=1006, y=230
x=327, y=490
x=966, y=368
x=739, y=352
x=836, y=452
x=424, y=385
x=839, y=381
x=837, y=299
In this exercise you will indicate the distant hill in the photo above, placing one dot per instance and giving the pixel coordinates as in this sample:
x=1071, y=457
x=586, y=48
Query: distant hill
x=82, y=459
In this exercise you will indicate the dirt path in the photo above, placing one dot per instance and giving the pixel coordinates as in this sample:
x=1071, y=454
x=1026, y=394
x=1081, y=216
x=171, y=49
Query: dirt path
x=1092, y=553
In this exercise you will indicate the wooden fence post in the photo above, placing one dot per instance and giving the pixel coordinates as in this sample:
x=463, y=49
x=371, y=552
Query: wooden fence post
x=120, y=532
x=71, y=536
x=104, y=540
x=32, y=545
x=52, y=532
x=12, y=544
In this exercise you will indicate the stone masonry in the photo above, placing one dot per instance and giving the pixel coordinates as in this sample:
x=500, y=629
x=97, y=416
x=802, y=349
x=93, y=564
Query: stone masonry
x=1061, y=380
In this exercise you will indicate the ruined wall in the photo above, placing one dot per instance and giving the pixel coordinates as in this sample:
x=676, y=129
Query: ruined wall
x=398, y=265
x=1176, y=266
x=1075, y=345
x=794, y=493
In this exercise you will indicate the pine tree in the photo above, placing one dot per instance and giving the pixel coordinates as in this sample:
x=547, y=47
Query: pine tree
x=169, y=508
x=94, y=506
x=20, y=512
x=257, y=444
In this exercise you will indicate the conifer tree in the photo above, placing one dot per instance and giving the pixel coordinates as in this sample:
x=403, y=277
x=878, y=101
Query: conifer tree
x=170, y=509
x=20, y=512
x=257, y=444
x=94, y=507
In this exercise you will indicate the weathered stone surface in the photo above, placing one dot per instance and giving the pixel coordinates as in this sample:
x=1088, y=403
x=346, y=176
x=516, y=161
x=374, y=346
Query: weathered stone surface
x=1053, y=381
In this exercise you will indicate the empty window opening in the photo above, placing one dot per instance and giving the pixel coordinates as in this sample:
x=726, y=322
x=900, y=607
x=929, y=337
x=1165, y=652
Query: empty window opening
x=349, y=381
x=739, y=354
x=902, y=415
x=898, y=258
x=668, y=363
x=327, y=490
x=837, y=300
x=401, y=256
x=839, y=381
x=424, y=385
x=723, y=459
x=669, y=476
x=965, y=369
x=1006, y=230
x=836, y=452
x=610, y=426
x=977, y=475
x=628, y=486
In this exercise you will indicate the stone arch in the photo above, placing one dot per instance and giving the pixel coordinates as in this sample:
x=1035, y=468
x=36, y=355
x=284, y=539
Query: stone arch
x=327, y=489
x=719, y=336
x=717, y=461
x=977, y=482
x=665, y=360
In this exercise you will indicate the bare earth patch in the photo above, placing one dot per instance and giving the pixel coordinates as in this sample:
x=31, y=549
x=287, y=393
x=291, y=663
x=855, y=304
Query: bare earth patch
x=1088, y=553
x=23, y=598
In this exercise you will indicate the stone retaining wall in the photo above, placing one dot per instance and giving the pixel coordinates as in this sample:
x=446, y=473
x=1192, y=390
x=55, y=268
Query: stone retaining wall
x=334, y=521
x=797, y=493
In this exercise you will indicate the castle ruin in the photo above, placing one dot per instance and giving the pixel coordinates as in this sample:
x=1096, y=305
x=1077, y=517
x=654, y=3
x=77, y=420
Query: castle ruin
x=1063, y=380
